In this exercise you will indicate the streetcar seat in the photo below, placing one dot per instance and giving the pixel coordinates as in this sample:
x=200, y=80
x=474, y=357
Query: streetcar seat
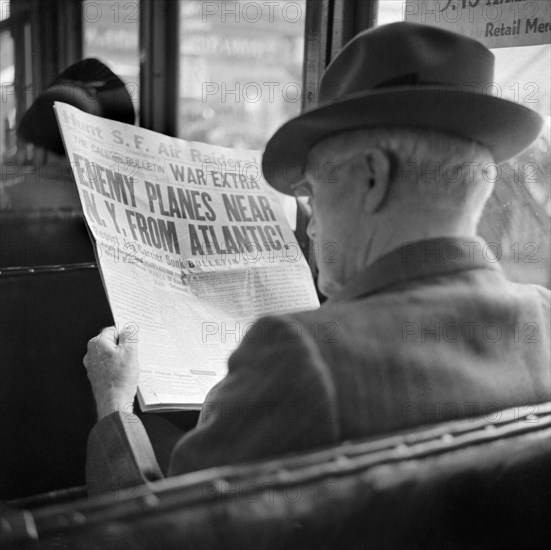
x=477, y=483
x=53, y=302
x=44, y=237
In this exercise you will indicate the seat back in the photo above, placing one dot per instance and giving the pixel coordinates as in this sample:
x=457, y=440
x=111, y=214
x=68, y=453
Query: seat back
x=472, y=484
x=44, y=237
x=52, y=302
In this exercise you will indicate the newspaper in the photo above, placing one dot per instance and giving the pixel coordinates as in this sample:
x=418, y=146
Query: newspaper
x=192, y=245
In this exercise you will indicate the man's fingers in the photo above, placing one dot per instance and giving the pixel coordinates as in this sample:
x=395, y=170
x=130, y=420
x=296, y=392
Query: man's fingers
x=110, y=334
x=107, y=337
x=128, y=334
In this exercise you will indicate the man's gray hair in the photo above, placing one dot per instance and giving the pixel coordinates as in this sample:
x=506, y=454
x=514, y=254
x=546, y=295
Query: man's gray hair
x=428, y=167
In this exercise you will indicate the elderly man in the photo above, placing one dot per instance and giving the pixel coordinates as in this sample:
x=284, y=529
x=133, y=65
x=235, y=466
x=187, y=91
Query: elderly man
x=421, y=325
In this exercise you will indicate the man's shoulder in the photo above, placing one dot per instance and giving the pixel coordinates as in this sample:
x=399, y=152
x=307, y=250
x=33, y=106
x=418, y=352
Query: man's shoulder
x=277, y=346
x=313, y=328
x=470, y=294
x=282, y=329
x=536, y=290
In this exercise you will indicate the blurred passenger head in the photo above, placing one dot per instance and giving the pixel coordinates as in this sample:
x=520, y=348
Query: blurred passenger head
x=88, y=85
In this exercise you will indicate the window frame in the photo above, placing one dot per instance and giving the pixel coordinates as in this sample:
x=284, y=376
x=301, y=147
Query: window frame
x=47, y=37
x=159, y=67
x=56, y=30
x=329, y=24
x=56, y=41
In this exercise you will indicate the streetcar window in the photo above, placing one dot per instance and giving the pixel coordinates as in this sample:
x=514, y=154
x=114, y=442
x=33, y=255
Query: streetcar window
x=111, y=34
x=7, y=77
x=240, y=69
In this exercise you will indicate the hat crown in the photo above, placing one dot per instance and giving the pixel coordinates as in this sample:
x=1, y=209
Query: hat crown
x=407, y=54
x=409, y=76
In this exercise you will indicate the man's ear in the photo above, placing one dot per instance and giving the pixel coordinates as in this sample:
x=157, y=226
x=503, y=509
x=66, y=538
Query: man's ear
x=376, y=167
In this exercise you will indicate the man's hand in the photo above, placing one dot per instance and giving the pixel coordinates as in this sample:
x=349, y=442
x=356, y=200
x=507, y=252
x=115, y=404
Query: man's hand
x=112, y=370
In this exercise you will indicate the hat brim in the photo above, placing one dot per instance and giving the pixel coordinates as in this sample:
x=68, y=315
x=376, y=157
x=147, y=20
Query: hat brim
x=505, y=127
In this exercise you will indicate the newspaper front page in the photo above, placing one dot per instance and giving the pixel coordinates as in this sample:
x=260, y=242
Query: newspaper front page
x=192, y=244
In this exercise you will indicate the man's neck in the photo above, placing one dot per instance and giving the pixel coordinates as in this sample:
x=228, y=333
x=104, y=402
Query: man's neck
x=389, y=233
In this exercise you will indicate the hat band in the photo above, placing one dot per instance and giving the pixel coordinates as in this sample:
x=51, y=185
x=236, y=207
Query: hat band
x=410, y=79
x=402, y=80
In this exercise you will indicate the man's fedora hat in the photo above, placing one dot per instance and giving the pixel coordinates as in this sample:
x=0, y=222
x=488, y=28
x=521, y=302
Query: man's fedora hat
x=88, y=85
x=404, y=75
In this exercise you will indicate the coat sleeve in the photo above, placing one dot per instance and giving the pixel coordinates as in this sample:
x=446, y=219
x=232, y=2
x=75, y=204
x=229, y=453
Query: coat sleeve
x=119, y=455
x=278, y=397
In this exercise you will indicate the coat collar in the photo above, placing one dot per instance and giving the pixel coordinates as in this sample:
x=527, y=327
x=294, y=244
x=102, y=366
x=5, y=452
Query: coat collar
x=416, y=260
